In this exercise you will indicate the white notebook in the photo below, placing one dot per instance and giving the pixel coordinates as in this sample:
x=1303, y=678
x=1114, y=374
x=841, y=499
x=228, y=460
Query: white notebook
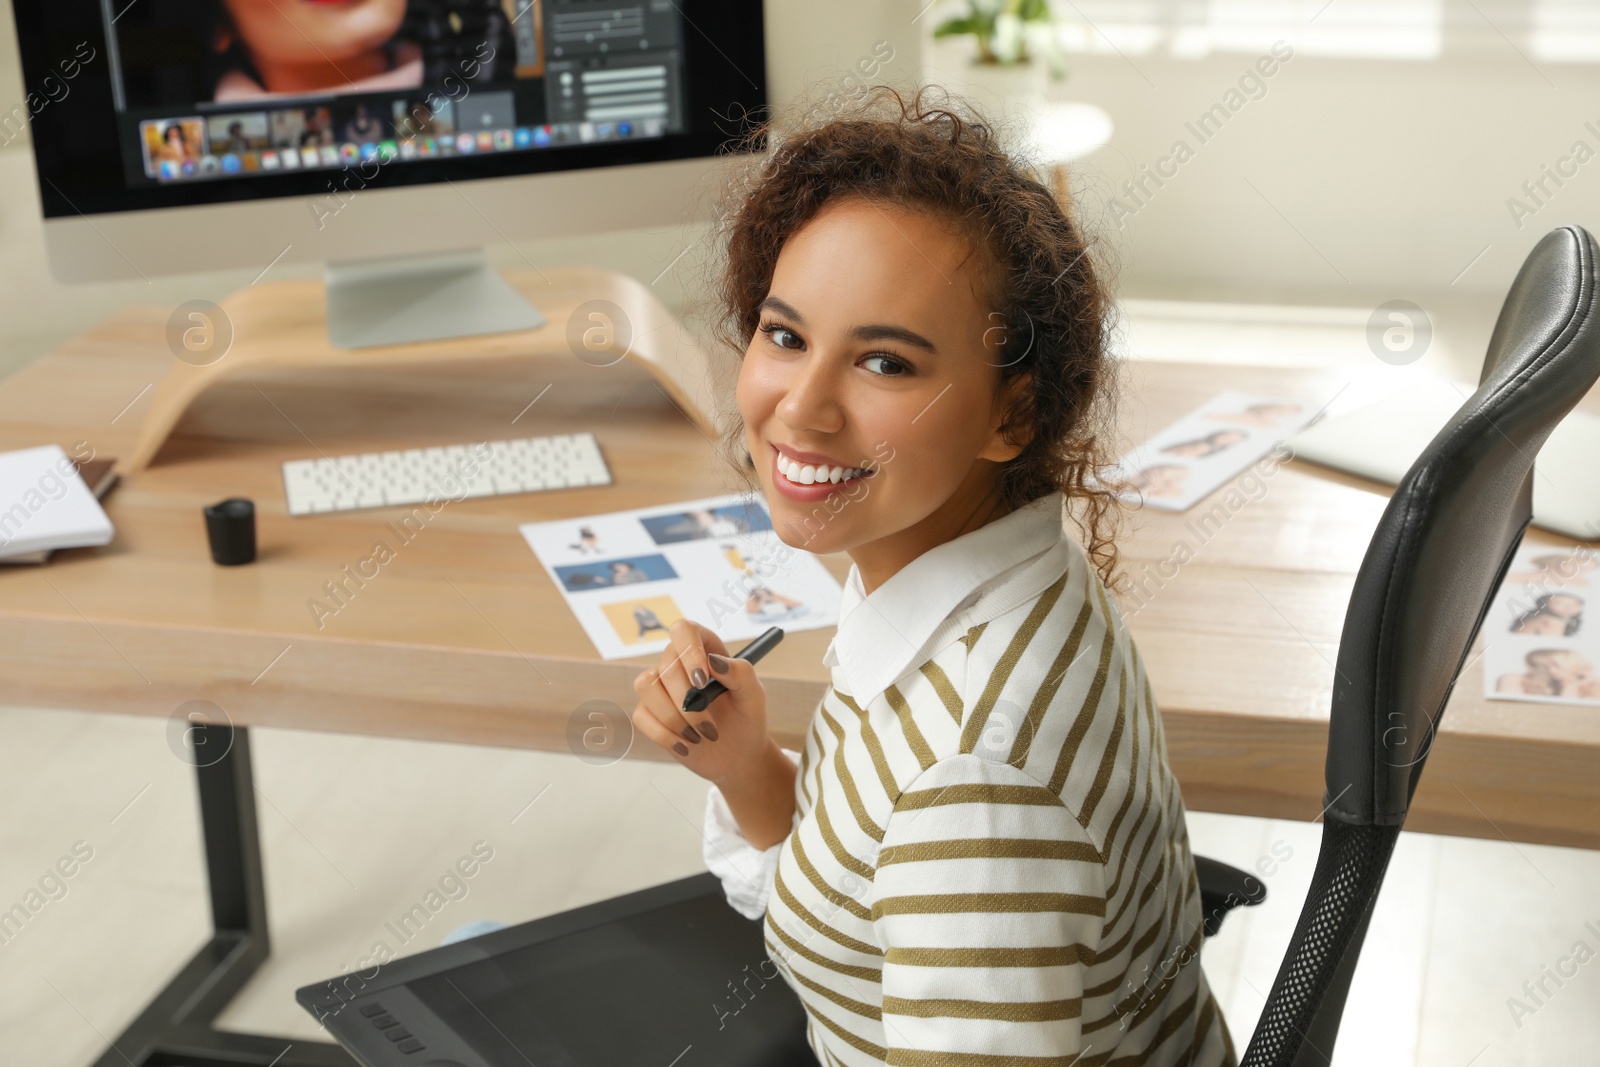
x=1382, y=440
x=44, y=504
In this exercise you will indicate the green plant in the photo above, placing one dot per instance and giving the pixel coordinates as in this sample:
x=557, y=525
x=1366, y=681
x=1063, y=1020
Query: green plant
x=1005, y=31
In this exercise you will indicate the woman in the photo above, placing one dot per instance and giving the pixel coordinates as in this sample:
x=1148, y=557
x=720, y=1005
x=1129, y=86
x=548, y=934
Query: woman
x=363, y=127
x=625, y=573
x=981, y=855
x=1558, y=614
x=254, y=49
x=1553, y=672
x=646, y=620
x=1566, y=568
x=175, y=146
x=305, y=46
x=1160, y=480
x=1266, y=415
x=1209, y=445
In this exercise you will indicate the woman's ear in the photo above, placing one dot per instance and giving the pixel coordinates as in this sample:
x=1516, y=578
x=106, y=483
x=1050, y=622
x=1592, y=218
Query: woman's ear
x=1011, y=428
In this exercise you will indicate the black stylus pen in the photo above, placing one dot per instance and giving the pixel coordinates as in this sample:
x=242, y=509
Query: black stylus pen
x=699, y=699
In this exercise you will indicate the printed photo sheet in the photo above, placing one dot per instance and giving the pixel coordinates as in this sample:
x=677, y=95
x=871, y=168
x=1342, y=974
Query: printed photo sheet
x=1209, y=447
x=628, y=574
x=1542, y=633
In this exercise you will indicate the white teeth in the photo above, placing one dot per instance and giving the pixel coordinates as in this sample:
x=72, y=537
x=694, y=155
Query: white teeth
x=807, y=474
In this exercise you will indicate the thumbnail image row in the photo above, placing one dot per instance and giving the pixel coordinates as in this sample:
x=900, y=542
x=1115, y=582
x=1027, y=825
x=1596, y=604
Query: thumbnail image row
x=187, y=140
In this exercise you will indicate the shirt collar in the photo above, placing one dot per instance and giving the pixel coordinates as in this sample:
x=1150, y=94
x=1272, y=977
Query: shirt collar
x=879, y=635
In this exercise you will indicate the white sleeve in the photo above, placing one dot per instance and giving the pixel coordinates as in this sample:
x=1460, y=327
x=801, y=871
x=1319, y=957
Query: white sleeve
x=746, y=872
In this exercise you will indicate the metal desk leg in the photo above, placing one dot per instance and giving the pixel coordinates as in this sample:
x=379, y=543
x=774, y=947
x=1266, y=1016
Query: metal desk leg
x=175, y=1030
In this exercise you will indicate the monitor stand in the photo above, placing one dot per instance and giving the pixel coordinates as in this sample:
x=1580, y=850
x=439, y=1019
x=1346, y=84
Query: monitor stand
x=280, y=325
x=375, y=302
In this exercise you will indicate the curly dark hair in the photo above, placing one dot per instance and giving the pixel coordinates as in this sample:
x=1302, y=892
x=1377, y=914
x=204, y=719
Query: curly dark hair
x=903, y=148
x=1541, y=606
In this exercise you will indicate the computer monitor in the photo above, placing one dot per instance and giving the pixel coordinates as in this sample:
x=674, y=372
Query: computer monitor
x=179, y=136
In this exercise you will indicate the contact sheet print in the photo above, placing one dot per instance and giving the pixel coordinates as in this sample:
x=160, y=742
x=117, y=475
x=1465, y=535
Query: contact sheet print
x=627, y=575
x=1189, y=460
x=1540, y=642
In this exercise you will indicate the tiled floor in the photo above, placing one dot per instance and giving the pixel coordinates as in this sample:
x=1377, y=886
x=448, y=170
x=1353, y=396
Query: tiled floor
x=356, y=830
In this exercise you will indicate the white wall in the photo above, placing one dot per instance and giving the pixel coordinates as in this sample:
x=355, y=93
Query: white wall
x=1358, y=177
x=1395, y=174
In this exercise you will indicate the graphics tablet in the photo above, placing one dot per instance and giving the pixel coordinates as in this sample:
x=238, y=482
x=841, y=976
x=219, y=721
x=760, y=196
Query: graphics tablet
x=666, y=977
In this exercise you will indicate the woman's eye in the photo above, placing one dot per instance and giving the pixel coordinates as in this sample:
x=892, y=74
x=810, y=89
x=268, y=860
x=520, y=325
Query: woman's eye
x=775, y=333
x=888, y=366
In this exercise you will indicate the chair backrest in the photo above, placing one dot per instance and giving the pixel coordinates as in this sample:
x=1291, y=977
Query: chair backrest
x=1430, y=573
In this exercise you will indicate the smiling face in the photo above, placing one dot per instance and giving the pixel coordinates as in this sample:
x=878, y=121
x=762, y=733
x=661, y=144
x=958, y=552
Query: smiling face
x=1225, y=439
x=1564, y=605
x=313, y=32
x=1563, y=665
x=875, y=349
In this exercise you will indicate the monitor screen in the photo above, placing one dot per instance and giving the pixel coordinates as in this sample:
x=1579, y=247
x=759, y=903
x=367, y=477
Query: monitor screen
x=166, y=102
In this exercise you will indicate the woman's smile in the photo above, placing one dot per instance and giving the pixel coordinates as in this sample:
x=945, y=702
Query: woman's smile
x=809, y=477
x=871, y=346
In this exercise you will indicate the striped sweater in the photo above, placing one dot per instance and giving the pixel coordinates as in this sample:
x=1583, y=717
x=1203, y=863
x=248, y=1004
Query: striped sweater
x=988, y=864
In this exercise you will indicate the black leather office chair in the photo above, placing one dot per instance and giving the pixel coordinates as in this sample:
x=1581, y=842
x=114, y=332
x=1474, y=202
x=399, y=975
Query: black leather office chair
x=1430, y=573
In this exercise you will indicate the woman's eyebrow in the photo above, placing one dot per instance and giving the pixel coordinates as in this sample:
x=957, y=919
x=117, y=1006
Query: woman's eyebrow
x=885, y=332
x=875, y=332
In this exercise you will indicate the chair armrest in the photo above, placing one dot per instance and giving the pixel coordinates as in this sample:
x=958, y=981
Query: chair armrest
x=1223, y=888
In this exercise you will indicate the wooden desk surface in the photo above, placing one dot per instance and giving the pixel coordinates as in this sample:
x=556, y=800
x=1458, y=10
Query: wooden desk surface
x=461, y=637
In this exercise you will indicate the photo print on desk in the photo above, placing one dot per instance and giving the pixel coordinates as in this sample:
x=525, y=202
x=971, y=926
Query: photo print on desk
x=698, y=524
x=608, y=574
x=1542, y=633
x=1210, y=446
x=628, y=574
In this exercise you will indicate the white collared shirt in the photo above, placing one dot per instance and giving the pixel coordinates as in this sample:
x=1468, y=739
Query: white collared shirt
x=988, y=855
x=879, y=636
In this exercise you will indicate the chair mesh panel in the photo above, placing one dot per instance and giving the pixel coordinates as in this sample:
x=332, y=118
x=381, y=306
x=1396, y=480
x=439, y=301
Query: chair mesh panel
x=1350, y=866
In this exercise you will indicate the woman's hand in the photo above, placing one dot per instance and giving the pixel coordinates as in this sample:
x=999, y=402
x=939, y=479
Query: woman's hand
x=723, y=744
x=727, y=744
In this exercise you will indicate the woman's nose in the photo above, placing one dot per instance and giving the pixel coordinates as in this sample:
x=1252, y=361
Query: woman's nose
x=811, y=399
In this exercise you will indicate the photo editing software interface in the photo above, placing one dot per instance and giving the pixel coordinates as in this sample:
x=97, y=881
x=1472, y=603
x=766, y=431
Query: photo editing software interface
x=223, y=89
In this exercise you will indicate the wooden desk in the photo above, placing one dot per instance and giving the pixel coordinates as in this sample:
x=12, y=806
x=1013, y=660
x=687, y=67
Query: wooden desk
x=461, y=637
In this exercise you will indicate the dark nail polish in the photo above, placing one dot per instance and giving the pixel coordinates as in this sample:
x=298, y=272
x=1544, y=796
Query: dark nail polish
x=709, y=731
x=718, y=663
x=697, y=677
x=680, y=748
x=690, y=736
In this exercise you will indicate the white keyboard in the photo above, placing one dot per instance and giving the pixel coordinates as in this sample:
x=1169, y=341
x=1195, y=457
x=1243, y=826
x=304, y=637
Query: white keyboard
x=415, y=475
